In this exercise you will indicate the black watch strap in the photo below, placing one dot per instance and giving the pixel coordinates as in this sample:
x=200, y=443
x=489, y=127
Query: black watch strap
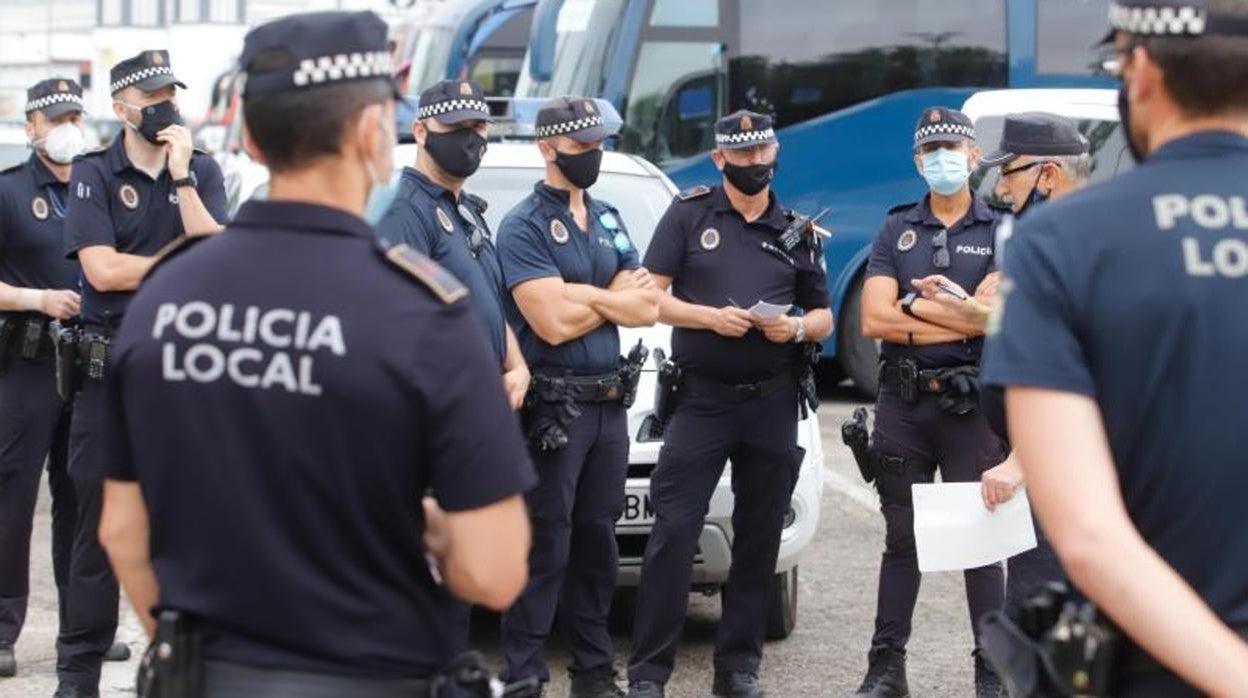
x=907, y=303
x=184, y=182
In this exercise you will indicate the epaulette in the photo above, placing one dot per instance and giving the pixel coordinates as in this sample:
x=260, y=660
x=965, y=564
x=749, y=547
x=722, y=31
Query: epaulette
x=475, y=202
x=12, y=168
x=902, y=207
x=171, y=250
x=92, y=152
x=432, y=275
x=692, y=193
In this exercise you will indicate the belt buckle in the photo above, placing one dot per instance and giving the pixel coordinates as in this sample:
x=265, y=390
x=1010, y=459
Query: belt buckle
x=935, y=385
x=610, y=388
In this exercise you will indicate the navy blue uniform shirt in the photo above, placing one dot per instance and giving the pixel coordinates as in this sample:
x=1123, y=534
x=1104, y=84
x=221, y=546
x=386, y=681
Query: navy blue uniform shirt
x=285, y=396
x=717, y=259
x=114, y=204
x=904, y=251
x=428, y=219
x=539, y=239
x=1135, y=292
x=32, y=214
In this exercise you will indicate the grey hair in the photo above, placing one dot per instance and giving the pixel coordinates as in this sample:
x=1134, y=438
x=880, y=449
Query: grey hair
x=1076, y=168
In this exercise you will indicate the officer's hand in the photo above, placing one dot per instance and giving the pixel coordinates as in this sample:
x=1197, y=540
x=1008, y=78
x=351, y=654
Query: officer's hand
x=644, y=280
x=516, y=384
x=929, y=287
x=631, y=279
x=437, y=540
x=178, y=145
x=61, y=305
x=730, y=321
x=999, y=483
x=986, y=292
x=780, y=330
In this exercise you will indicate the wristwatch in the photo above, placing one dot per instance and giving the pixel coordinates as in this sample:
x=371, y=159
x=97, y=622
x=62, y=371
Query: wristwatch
x=800, y=335
x=907, y=303
x=184, y=182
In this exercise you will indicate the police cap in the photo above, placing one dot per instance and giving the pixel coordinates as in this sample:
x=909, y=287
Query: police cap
x=1172, y=18
x=744, y=129
x=454, y=101
x=54, y=97
x=149, y=71
x=1037, y=133
x=943, y=125
x=576, y=117
x=312, y=49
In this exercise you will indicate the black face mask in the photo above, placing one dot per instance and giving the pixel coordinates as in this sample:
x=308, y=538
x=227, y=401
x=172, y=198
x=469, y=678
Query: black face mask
x=156, y=118
x=580, y=169
x=457, y=153
x=1035, y=197
x=1124, y=115
x=750, y=179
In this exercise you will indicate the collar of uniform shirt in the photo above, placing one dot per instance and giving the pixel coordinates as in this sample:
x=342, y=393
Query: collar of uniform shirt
x=560, y=196
x=1202, y=144
x=117, y=159
x=427, y=185
x=299, y=216
x=922, y=213
x=43, y=176
x=773, y=217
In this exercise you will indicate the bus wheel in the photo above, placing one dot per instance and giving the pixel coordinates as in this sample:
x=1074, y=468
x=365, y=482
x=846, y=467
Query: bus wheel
x=859, y=356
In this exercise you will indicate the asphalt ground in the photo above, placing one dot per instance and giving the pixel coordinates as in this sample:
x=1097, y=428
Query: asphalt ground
x=825, y=655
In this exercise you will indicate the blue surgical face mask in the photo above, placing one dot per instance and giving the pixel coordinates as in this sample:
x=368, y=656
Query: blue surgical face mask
x=946, y=171
x=380, y=197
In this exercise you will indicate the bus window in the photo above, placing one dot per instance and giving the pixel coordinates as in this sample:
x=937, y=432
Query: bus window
x=1066, y=34
x=674, y=100
x=685, y=13
x=818, y=56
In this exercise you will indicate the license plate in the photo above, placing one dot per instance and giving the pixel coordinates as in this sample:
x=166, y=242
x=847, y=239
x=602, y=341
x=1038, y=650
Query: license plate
x=637, y=508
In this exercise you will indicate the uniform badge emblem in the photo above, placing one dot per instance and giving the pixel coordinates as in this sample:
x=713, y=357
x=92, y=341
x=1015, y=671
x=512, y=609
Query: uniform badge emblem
x=465, y=89
x=558, y=231
x=129, y=196
x=589, y=107
x=39, y=207
x=709, y=239
x=934, y=116
x=157, y=59
x=906, y=242
x=444, y=220
x=62, y=86
x=747, y=123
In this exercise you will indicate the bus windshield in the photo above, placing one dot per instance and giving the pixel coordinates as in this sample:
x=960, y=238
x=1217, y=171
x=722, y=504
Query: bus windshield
x=430, y=53
x=584, y=30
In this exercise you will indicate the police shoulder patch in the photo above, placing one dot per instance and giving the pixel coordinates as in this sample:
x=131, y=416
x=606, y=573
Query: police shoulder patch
x=12, y=168
x=173, y=249
x=694, y=193
x=432, y=275
x=902, y=207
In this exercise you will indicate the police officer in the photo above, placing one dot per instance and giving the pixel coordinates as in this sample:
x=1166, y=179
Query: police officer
x=126, y=202
x=36, y=283
x=575, y=276
x=926, y=414
x=1051, y=147
x=300, y=387
x=1125, y=319
x=433, y=215
x=739, y=400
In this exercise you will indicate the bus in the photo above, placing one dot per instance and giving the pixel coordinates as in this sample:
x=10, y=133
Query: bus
x=845, y=81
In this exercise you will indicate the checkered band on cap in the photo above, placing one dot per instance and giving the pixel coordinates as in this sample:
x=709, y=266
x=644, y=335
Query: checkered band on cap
x=1159, y=21
x=342, y=66
x=141, y=75
x=569, y=126
x=944, y=128
x=451, y=105
x=54, y=98
x=745, y=136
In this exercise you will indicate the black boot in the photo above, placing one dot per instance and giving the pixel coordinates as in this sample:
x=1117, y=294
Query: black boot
x=118, y=652
x=987, y=683
x=8, y=661
x=646, y=689
x=595, y=683
x=886, y=674
x=738, y=684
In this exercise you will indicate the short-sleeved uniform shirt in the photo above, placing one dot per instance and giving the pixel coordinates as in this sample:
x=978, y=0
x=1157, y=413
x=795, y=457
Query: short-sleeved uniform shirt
x=1135, y=292
x=716, y=258
x=428, y=218
x=285, y=396
x=114, y=204
x=33, y=204
x=539, y=239
x=904, y=251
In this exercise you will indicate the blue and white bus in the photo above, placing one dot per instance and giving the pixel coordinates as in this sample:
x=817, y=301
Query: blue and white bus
x=844, y=79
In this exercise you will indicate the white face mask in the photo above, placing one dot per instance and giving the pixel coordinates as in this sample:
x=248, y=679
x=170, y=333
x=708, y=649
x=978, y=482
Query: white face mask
x=64, y=143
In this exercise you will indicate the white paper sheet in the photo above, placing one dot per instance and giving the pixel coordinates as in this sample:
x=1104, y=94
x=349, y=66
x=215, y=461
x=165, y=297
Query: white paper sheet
x=765, y=311
x=953, y=530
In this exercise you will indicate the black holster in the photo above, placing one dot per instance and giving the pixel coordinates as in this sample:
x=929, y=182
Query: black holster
x=173, y=665
x=549, y=408
x=93, y=355
x=807, y=389
x=666, y=393
x=857, y=436
x=630, y=372
x=8, y=325
x=1060, y=646
x=66, y=339
x=32, y=336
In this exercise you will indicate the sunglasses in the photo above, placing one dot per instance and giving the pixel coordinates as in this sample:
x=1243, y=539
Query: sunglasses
x=477, y=235
x=940, y=249
x=1007, y=173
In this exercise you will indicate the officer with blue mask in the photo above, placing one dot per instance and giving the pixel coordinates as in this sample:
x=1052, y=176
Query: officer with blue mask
x=576, y=277
x=433, y=215
x=1120, y=346
x=320, y=399
x=927, y=415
